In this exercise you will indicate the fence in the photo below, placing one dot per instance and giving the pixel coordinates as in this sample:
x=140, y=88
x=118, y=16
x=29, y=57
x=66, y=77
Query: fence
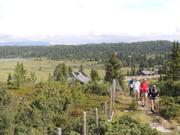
x=105, y=110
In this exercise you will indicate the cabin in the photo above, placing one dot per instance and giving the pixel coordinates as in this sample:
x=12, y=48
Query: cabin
x=147, y=72
x=81, y=77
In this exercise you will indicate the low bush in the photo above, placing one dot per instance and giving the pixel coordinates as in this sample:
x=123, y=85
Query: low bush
x=128, y=126
x=168, y=107
x=169, y=88
x=99, y=88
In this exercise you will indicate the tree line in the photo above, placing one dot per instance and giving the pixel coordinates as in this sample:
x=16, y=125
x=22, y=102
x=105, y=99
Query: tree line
x=147, y=53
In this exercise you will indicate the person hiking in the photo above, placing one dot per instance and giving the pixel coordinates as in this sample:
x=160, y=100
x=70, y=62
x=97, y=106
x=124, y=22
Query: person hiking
x=131, y=87
x=136, y=91
x=153, y=94
x=144, y=92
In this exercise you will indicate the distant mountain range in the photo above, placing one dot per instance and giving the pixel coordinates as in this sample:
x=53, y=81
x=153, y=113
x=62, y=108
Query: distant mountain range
x=24, y=43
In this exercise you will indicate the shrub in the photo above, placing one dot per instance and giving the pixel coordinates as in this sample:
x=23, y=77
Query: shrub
x=168, y=108
x=128, y=126
x=5, y=97
x=4, y=123
x=99, y=88
x=93, y=129
x=169, y=88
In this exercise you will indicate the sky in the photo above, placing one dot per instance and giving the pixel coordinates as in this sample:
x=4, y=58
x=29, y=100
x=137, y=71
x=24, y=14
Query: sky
x=89, y=21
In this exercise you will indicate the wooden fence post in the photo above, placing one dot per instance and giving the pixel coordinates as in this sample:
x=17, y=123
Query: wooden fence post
x=114, y=91
x=97, y=117
x=105, y=109
x=59, y=131
x=111, y=106
x=84, y=124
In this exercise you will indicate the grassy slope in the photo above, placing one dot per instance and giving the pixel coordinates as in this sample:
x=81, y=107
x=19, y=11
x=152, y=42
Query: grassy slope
x=141, y=114
x=91, y=101
x=47, y=66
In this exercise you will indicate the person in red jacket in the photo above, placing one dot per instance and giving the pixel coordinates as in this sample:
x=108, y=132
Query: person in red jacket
x=144, y=92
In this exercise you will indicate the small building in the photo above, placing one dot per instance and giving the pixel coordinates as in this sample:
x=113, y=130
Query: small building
x=81, y=77
x=147, y=72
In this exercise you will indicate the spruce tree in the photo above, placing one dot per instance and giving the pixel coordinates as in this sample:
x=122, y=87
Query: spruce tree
x=64, y=70
x=172, y=66
x=113, y=69
x=9, y=80
x=20, y=74
x=81, y=69
x=60, y=73
x=70, y=70
x=33, y=76
x=133, y=71
x=94, y=75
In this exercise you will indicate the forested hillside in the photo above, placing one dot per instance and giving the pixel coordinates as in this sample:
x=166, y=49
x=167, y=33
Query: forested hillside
x=130, y=53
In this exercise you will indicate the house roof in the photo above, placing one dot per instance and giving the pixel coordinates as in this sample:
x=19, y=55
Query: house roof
x=80, y=77
x=146, y=72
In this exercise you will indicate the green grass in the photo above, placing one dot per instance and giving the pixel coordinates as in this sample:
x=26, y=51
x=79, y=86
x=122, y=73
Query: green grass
x=47, y=66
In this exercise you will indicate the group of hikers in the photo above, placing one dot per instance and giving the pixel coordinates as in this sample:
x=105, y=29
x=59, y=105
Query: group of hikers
x=141, y=92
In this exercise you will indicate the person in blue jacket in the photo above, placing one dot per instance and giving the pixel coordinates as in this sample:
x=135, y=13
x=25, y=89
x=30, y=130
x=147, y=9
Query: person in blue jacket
x=131, y=87
x=153, y=94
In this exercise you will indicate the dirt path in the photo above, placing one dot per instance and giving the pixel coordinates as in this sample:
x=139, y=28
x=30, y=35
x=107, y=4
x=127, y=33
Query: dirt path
x=160, y=127
x=143, y=114
x=164, y=126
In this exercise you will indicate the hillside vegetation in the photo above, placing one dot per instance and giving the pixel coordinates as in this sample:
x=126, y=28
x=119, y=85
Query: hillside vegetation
x=31, y=106
x=126, y=51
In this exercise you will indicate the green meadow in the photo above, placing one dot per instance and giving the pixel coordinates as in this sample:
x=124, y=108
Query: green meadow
x=44, y=67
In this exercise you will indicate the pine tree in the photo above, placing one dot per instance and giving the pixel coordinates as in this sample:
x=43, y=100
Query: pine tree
x=70, y=70
x=141, y=67
x=172, y=66
x=94, y=75
x=60, y=73
x=81, y=69
x=9, y=80
x=20, y=74
x=133, y=71
x=64, y=70
x=113, y=70
x=33, y=76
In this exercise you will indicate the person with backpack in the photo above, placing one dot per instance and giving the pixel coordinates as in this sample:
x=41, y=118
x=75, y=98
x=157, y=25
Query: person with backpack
x=153, y=94
x=144, y=92
x=131, y=87
x=136, y=91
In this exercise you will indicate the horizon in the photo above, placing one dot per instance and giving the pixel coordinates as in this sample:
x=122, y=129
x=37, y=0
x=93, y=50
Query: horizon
x=39, y=43
x=88, y=21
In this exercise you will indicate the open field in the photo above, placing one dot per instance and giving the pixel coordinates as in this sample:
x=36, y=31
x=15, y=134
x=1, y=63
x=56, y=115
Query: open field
x=44, y=67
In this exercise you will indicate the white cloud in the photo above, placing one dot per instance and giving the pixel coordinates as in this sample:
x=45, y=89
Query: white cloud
x=48, y=18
